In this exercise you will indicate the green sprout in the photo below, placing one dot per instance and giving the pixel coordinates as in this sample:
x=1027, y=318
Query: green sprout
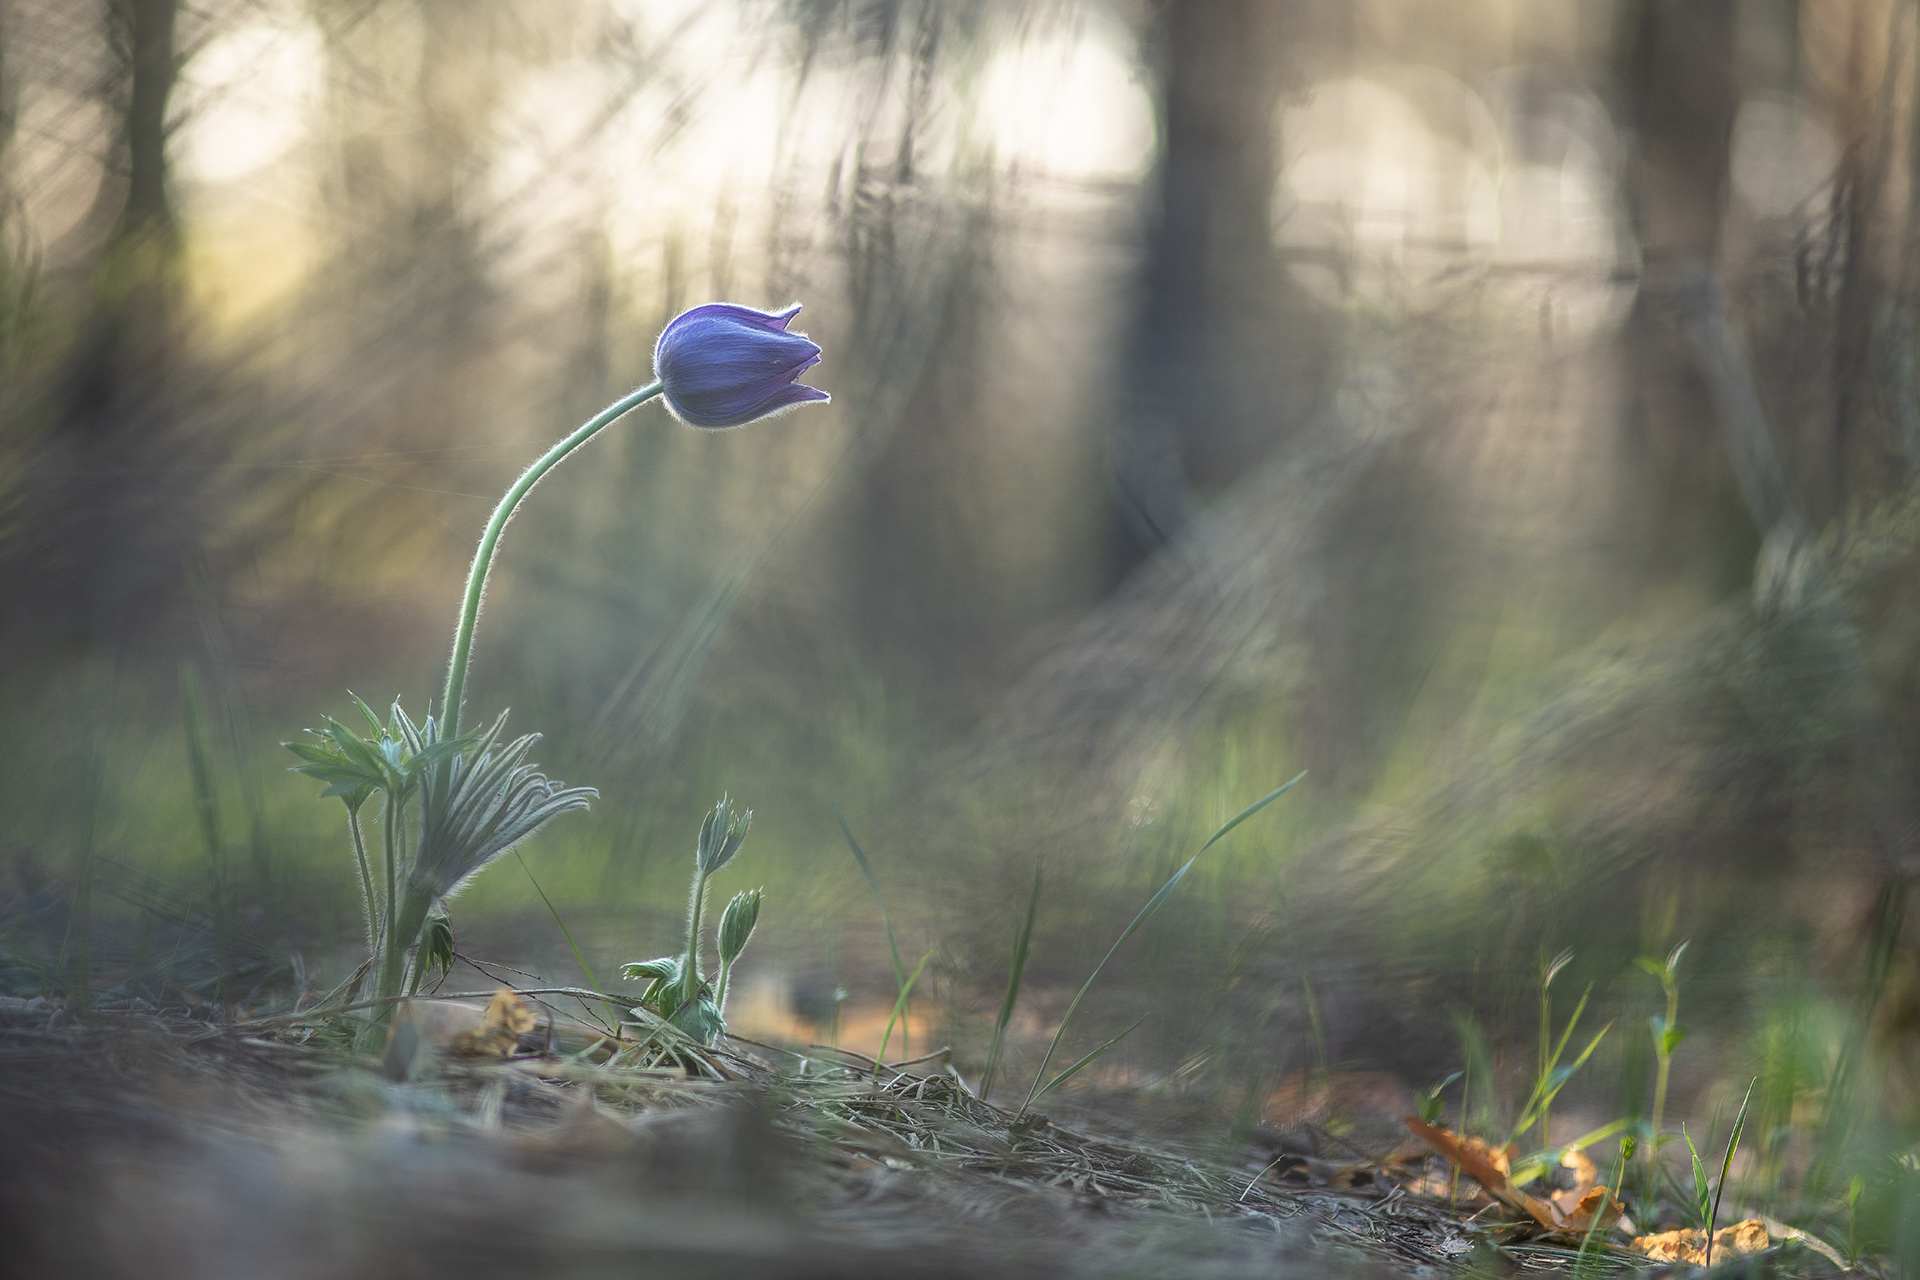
x=1667, y=1035
x=1427, y=1102
x=1726, y=1167
x=1553, y=1074
x=1548, y=971
x=676, y=991
x=1706, y=1195
x=1702, y=1189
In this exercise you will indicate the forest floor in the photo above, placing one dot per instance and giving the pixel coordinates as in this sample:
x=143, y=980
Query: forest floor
x=166, y=1146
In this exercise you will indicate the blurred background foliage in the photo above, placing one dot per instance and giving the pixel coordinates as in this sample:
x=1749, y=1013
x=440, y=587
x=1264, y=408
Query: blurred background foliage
x=1506, y=411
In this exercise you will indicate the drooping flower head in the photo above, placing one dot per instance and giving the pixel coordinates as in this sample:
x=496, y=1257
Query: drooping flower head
x=722, y=365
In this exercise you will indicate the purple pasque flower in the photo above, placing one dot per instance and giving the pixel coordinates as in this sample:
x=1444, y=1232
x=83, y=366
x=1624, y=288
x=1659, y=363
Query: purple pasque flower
x=722, y=365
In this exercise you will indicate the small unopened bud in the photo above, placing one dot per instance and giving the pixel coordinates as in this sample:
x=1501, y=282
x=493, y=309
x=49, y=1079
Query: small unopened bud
x=721, y=836
x=721, y=365
x=436, y=943
x=666, y=967
x=736, y=924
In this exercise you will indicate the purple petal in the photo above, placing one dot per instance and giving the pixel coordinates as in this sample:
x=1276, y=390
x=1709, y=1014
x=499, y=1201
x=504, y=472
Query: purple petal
x=723, y=365
x=737, y=314
x=791, y=395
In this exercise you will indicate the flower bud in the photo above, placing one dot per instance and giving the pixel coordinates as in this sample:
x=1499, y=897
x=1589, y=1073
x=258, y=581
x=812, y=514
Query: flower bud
x=436, y=943
x=721, y=836
x=666, y=968
x=722, y=365
x=736, y=924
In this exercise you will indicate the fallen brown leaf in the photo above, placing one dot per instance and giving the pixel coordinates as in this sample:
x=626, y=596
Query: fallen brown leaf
x=1690, y=1245
x=507, y=1017
x=1585, y=1177
x=1489, y=1168
x=1595, y=1200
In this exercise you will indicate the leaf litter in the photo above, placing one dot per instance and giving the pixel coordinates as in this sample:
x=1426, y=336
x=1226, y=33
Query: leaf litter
x=512, y=1127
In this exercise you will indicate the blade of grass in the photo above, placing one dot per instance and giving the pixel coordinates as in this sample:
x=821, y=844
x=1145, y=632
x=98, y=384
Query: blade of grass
x=1071, y=1071
x=1021, y=943
x=866, y=869
x=1543, y=1087
x=1702, y=1202
x=1612, y=1190
x=1559, y=1078
x=1549, y=970
x=613, y=1019
x=1535, y=1163
x=1726, y=1166
x=1313, y=1020
x=1248, y=812
x=1153, y=905
x=205, y=802
x=906, y=989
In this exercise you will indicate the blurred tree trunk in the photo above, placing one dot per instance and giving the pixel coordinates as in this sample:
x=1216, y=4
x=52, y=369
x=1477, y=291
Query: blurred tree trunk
x=147, y=27
x=9, y=89
x=1679, y=98
x=1222, y=363
x=15, y=268
x=101, y=523
x=423, y=81
x=130, y=332
x=1863, y=243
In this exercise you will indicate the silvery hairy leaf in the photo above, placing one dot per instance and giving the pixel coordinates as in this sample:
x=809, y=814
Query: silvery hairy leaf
x=476, y=806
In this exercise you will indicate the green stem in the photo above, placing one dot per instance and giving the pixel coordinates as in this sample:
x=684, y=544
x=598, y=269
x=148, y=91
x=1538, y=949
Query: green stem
x=613, y=1015
x=690, y=972
x=390, y=824
x=1546, y=1027
x=720, y=994
x=366, y=879
x=412, y=914
x=483, y=557
x=1665, y=1065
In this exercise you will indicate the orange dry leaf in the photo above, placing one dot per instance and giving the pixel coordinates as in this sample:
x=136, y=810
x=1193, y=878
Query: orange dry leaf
x=1585, y=1178
x=507, y=1017
x=1596, y=1200
x=1690, y=1245
x=1489, y=1168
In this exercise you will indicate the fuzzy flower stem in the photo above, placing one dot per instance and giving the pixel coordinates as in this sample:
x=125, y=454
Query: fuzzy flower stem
x=366, y=879
x=483, y=558
x=411, y=914
x=690, y=972
x=390, y=823
x=720, y=994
